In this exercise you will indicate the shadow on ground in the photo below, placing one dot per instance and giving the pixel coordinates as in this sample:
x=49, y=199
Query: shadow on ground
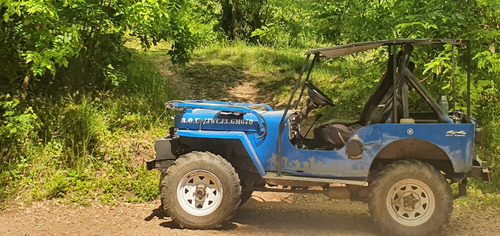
x=288, y=218
x=316, y=217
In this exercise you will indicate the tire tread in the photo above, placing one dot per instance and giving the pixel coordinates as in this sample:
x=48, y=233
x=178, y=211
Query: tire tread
x=443, y=191
x=216, y=160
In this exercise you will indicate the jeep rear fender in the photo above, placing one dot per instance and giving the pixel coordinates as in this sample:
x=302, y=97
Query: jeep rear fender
x=414, y=148
x=224, y=135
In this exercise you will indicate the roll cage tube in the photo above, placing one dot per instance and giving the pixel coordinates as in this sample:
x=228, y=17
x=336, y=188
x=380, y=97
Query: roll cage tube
x=289, y=104
x=404, y=74
x=401, y=71
x=467, y=44
x=394, y=82
x=316, y=57
x=453, y=65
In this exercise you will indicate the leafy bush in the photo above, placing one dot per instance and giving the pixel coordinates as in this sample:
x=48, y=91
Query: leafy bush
x=76, y=44
x=18, y=125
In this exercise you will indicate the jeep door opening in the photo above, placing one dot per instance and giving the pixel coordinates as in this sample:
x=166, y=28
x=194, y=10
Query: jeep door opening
x=400, y=162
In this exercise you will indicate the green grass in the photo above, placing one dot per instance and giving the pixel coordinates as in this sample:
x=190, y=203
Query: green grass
x=476, y=199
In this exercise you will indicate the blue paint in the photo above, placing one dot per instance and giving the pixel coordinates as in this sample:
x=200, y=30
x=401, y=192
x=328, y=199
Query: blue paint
x=215, y=115
x=227, y=135
x=243, y=123
x=200, y=119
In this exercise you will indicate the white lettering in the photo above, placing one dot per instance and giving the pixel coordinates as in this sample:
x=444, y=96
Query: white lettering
x=217, y=121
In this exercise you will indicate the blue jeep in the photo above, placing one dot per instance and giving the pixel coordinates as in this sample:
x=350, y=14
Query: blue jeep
x=400, y=162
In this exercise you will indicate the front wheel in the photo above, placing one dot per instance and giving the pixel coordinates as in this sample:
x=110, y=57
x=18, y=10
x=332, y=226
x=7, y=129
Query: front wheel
x=410, y=198
x=200, y=191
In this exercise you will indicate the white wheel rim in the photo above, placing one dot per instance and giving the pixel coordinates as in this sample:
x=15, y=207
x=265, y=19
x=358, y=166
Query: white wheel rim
x=410, y=202
x=199, y=192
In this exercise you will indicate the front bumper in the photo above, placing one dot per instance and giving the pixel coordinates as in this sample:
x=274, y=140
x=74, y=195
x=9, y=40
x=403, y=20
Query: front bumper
x=164, y=156
x=159, y=164
x=480, y=169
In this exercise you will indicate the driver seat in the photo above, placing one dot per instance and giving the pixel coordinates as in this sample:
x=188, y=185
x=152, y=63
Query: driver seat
x=376, y=107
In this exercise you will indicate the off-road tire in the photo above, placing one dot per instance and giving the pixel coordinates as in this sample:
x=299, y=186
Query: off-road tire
x=178, y=182
x=410, y=197
x=160, y=187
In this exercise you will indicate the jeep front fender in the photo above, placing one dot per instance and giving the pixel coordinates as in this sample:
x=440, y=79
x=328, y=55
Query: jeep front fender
x=234, y=135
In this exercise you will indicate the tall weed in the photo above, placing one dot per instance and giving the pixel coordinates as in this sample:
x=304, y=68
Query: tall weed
x=82, y=128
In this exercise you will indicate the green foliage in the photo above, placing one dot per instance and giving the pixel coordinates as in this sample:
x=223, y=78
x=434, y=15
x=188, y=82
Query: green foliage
x=292, y=24
x=144, y=187
x=36, y=22
x=238, y=19
x=58, y=186
x=80, y=43
x=350, y=21
x=17, y=124
x=113, y=76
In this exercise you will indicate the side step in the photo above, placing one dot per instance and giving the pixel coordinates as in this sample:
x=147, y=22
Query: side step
x=289, y=180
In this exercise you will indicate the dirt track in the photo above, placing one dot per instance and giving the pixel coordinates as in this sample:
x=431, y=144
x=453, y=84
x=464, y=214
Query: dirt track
x=264, y=214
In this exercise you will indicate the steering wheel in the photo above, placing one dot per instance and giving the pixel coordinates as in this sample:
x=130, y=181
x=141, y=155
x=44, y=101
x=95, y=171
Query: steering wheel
x=317, y=97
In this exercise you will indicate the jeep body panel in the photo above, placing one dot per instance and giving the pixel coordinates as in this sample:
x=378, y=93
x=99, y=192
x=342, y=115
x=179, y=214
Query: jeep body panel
x=454, y=140
x=241, y=136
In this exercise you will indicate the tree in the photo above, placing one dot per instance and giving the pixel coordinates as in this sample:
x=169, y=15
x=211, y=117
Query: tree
x=81, y=41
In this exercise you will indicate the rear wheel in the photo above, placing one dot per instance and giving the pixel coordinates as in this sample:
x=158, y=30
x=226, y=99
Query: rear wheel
x=200, y=191
x=410, y=198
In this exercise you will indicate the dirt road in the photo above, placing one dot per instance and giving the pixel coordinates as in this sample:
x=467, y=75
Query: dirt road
x=264, y=214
